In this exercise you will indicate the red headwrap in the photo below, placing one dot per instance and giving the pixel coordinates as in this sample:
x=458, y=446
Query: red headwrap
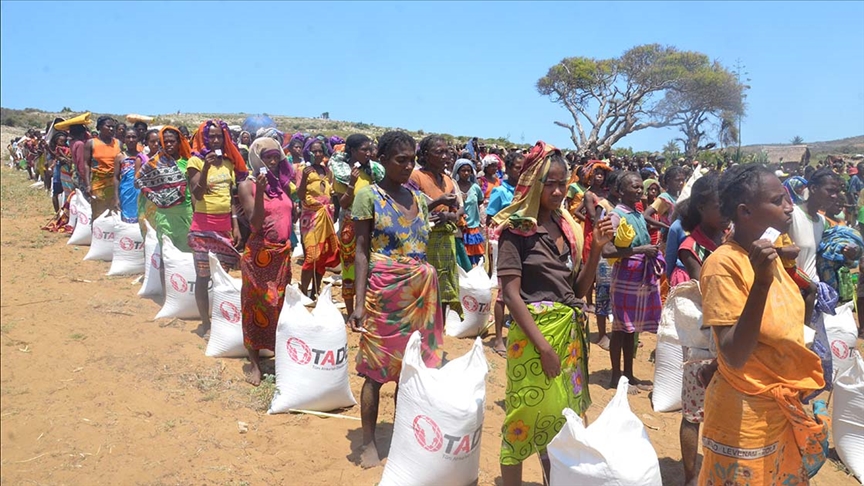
x=201, y=146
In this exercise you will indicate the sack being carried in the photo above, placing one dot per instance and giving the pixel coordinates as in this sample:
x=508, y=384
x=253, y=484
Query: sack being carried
x=127, y=253
x=613, y=451
x=439, y=420
x=81, y=234
x=152, y=285
x=179, y=283
x=102, y=245
x=848, y=416
x=311, y=356
x=842, y=335
x=475, y=293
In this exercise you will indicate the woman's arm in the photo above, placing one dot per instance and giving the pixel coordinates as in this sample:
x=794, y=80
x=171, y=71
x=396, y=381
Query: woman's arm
x=301, y=190
x=738, y=341
x=612, y=251
x=118, y=160
x=691, y=264
x=363, y=231
x=510, y=286
x=654, y=222
x=198, y=180
x=253, y=206
x=602, y=235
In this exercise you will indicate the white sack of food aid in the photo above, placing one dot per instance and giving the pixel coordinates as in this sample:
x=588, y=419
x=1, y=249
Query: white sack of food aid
x=842, y=334
x=439, y=420
x=128, y=250
x=152, y=285
x=82, y=234
x=102, y=245
x=311, y=356
x=475, y=293
x=668, y=376
x=613, y=451
x=848, y=416
x=226, y=315
x=179, y=283
x=73, y=209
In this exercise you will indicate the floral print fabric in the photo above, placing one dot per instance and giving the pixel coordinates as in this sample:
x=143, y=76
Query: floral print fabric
x=534, y=402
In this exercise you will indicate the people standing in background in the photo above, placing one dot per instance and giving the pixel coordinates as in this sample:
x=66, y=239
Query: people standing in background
x=320, y=244
x=635, y=287
x=489, y=179
x=141, y=129
x=353, y=169
x=472, y=197
x=445, y=210
x=125, y=192
x=500, y=198
x=101, y=152
x=664, y=205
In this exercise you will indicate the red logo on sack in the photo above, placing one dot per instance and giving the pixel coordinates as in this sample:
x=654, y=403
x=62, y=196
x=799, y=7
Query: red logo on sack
x=97, y=233
x=179, y=283
x=229, y=312
x=83, y=219
x=156, y=260
x=127, y=244
x=470, y=304
x=424, y=427
x=295, y=347
x=840, y=349
x=73, y=210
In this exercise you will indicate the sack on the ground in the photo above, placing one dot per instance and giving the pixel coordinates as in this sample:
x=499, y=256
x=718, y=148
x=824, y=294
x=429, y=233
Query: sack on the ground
x=73, y=209
x=842, y=334
x=439, y=420
x=179, y=283
x=226, y=331
x=475, y=293
x=613, y=451
x=848, y=416
x=152, y=285
x=128, y=251
x=311, y=356
x=102, y=245
x=81, y=234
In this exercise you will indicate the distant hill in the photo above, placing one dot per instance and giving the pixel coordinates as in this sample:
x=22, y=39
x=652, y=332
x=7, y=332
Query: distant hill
x=843, y=146
x=32, y=118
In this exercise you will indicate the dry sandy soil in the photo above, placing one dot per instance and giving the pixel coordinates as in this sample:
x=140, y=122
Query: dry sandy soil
x=95, y=392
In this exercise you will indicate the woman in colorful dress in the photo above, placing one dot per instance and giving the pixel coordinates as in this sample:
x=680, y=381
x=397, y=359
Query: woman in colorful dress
x=434, y=155
x=701, y=218
x=542, y=278
x=352, y=170
x=162, y=180
x=125, y=192
x=472, y=198
x=652, y=192
x=756, y=429
x=266, y=261
x=489, y=179
x=61, y=157
x=101, y=152
x=146, y=209
x=635, y=287
x=397, y=289
x=213, y=169
x=320, y=244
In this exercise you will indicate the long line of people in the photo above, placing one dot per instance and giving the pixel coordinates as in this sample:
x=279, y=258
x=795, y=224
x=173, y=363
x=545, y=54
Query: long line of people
x=573, y=237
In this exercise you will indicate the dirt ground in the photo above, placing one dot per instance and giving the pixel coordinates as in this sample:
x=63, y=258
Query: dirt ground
x=94, y=391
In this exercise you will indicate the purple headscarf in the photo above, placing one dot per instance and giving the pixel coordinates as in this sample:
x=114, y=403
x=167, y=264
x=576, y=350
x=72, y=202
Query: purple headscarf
x=278, y=181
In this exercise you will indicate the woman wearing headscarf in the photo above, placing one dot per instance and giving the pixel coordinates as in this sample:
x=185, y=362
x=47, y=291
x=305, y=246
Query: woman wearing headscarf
x=489, y=179
x=352, y=170
x=244, y=140
x=213, y=170
x=266, y=261
x=542, y=278
x=445, y=210
x=162, y=180
x=320, y=244
x=652, y=191
x=796, y=187
x=472, y=197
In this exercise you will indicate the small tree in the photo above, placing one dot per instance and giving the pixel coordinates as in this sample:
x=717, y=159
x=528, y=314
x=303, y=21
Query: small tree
x=796, y=140
x=671, y=150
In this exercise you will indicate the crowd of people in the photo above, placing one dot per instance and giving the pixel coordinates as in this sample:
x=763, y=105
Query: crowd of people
x=575, y=236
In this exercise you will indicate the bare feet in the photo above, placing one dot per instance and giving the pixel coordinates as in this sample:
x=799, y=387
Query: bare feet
x=613, y=382
x=369, y=456
x=203, y=330
x=641, y=385
x=253, y=376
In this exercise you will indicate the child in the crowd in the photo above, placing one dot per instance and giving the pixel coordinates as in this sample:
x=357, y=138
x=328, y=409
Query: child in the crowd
x=499, y=199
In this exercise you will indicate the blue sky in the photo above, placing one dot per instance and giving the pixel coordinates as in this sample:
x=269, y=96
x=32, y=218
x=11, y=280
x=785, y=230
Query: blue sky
x=460, y=68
